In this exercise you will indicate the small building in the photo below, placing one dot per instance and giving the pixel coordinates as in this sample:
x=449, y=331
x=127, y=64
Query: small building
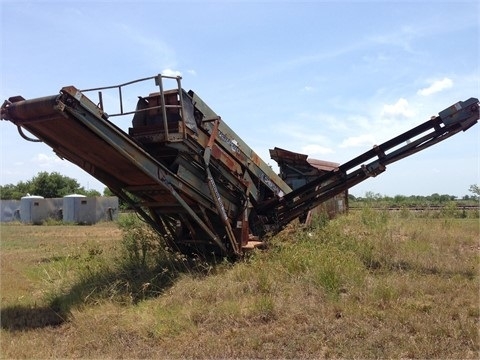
x=36, y=209
x=297, y=170
x=33, y=209
x=71, y=209
x=9, y=210
x=80, y=209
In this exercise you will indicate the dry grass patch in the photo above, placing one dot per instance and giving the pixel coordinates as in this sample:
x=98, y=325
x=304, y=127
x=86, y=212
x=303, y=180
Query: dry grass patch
x=366, y=285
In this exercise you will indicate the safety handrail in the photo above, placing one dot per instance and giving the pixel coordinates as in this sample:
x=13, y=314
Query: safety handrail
x=158, y=81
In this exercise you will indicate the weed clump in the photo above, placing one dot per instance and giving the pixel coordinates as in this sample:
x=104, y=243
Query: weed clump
x=141, y=267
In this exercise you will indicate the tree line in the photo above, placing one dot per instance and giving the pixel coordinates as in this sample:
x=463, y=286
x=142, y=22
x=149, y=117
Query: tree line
x=48, y=185
x=434, y=199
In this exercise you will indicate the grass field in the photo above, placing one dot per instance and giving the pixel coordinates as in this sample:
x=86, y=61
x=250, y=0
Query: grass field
x=365, y=285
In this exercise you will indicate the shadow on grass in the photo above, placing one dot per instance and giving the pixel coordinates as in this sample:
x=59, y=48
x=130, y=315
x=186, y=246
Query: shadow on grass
x=388, y=265
x=127, y=285
x=17, y=317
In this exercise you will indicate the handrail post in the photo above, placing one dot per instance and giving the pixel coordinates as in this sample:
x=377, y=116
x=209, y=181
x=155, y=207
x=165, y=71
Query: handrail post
x=100, y=100
x=121, y=102
x=180, y=99
x=159, y=82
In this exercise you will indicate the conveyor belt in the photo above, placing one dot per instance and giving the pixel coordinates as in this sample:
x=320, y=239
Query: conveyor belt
x=79, y=132
x=78, y=144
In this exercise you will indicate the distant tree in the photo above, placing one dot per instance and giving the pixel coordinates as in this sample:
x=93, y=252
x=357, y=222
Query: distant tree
x=53, y=185
x=48, y=185
x=371, y=196
x=436, y=198
x=107, y=192
x=91, y=192
x=11, y=191
x=8, y=191
x=399, y=199
x=475, y=189
x=121, y=202
x=450, y=197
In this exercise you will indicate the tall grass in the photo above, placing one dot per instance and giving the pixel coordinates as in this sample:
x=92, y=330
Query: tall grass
x=142, y=267
x=371, y=284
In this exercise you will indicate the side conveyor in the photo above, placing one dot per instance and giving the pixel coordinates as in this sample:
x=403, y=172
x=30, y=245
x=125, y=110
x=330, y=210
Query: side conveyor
x=458, y=117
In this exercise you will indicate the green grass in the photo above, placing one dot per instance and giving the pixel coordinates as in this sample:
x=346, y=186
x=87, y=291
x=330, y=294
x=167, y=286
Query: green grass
x=365, y=285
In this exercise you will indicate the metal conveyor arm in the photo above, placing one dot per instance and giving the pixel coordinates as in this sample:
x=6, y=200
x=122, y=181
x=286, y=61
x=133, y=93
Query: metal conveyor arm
x=456, y=118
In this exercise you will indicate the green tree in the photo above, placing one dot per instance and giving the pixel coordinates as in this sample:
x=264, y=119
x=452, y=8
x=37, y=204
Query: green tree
x=53, y=185
x=371, y=196
x=475, y=189
x=48, y=185
x=122, y=203
x=108, y=192
x=399, y=200
x=8, y=191
x=89, y=192
x=11, y=191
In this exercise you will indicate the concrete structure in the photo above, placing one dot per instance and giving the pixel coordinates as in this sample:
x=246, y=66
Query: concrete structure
x=71, y=209
x=89, y=210
x=9, y=210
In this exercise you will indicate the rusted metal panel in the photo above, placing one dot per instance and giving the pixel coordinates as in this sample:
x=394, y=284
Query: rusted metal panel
x=297, y=170
x=323, y=165
x=233, y=144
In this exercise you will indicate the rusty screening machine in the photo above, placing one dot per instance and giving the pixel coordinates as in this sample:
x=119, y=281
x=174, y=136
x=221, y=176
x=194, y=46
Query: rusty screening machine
x=187, y=173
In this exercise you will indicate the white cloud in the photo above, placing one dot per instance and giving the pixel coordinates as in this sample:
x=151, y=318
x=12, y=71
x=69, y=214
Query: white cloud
x=402, y=38
x=151, y=51
x=192, y=72
x=358, y=141
x=436, y=86
x=170, y=72
x=308, y=88
x=358, y=122
x=301, y=132
x=46, y=161
x=400, y=109
x=313, y=149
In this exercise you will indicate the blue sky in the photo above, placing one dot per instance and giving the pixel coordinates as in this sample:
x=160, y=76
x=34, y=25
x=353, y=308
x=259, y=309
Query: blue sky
x=328, y=79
